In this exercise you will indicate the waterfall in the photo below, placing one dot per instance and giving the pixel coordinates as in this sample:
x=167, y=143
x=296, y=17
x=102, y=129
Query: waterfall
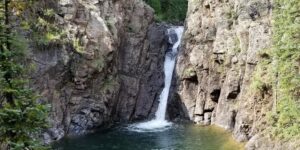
x=169, y=65
x=159, y=123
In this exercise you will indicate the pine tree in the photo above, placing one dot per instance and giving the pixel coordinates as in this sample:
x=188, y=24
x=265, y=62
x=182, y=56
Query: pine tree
x=21, y=117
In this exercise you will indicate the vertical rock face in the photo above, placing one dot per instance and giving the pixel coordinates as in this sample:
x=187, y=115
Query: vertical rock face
x=222, y=43
x=141, y=73
x=110, y=71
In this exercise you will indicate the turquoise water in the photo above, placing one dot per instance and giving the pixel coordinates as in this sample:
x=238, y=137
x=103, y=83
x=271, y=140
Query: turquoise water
x=179, y=137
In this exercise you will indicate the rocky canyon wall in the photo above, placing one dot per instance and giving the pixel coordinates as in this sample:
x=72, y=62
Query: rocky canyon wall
x=110, y=70
x=224, y=41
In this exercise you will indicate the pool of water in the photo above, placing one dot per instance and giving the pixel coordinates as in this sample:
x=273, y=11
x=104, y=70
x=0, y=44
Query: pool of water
x=179, y=137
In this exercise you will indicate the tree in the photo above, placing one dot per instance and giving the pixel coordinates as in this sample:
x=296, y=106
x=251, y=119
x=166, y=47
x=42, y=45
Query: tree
x=169, y=10
x=21, y=116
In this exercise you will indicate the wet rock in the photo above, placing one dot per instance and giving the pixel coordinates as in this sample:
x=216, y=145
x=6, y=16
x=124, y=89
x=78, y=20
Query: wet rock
x=199, y=119
x=53, y=134
x=145, y=77
x=172, y=36
x=47, y=138
x=207, y=118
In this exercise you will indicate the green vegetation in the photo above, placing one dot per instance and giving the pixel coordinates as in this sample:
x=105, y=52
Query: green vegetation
x=109, y=83
x=237, y=48
x=189, y=72
x=77, y=46
x=280, y=69
x=287, y=62
x=44, y=29
x=169, y=10
x=22, y=117
x=39, y=21
x=99, y=63
x=44, y=32
x=232, y=14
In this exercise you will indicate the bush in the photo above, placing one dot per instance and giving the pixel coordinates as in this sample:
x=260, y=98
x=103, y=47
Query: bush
x=286, y=40
x=283, y=73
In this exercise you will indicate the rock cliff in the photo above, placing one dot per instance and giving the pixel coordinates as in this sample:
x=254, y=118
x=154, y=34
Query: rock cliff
x=223, y=43
x=111, y=68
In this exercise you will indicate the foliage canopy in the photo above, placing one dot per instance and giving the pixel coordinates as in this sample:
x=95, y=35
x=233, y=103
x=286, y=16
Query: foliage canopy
x=22, y=117
x=169, y=10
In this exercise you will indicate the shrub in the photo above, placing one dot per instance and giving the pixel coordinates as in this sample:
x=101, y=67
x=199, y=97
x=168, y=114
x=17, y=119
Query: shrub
x=283, y=71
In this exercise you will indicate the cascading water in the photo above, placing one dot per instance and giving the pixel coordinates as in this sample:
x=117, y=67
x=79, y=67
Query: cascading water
x=159, y=123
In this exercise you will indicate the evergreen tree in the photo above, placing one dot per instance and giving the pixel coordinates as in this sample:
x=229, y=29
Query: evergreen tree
x=21, y=117
x=169, y=10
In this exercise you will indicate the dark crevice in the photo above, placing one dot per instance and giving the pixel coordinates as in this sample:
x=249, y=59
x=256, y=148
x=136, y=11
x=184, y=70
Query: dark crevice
x=254, y=13
x=233, y=119
x=234, y=94
x=193, y=79
x=219, y=61
x=215, y=95
x=208, y=110
x=207, y=6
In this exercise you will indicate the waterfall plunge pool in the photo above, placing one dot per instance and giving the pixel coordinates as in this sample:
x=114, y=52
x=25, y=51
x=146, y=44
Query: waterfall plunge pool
x=178, y=137
x=156, y=134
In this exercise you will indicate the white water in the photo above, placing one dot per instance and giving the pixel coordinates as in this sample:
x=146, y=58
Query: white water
x=159, y=123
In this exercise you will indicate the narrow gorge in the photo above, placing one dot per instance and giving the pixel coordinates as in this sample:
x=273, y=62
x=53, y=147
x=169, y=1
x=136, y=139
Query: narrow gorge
x=151, y=74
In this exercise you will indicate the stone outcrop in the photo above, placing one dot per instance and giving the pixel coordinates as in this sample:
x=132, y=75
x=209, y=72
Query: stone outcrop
x=141, y=73
x=221, y=48
x=111, y=68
